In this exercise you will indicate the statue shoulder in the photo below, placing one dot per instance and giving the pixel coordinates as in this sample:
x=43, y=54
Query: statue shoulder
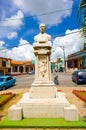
x=49, y=37
x=36, y=37
x=42, y=37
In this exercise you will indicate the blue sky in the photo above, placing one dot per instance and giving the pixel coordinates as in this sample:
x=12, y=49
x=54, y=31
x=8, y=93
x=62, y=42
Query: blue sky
x=19, y=21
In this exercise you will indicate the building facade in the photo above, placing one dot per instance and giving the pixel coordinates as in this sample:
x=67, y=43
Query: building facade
x=10, y=67
x=76, y=61
x=18, y=67
x=5, y=65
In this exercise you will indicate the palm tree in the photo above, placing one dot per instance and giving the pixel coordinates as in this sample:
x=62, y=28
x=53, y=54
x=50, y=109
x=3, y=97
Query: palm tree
x=82, y=16
x=59, y=60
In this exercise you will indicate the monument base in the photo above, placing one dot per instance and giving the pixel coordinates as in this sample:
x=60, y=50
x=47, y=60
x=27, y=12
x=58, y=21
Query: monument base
x=58, y=107
x=43, y=90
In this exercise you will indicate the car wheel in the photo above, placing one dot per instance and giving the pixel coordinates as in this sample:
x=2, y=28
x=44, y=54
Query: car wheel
x=13, y=84
x=3, y=88
x=77, y=82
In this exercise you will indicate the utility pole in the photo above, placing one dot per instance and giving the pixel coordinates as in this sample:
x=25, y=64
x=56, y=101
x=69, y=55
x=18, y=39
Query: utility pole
x=63, y=48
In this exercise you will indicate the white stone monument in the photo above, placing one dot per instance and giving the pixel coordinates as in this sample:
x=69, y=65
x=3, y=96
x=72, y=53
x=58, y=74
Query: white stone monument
x=43, y=100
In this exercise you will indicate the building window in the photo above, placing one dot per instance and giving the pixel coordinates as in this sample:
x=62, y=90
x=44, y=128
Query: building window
x=3, y=63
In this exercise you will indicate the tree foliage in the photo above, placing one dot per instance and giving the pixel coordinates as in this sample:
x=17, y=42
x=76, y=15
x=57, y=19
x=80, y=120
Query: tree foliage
x=82, y=16
x=59, y=60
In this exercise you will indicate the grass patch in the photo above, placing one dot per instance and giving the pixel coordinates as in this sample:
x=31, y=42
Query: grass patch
x=42, y=123
x=83, y=94
x=5, y=97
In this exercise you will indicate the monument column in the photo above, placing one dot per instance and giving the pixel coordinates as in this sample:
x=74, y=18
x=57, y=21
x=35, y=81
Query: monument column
x=43, y=86
x=42, y=65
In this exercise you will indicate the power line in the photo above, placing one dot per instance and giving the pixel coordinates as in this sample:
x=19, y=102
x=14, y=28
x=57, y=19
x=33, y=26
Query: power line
x=60, y=35
x=46, y=13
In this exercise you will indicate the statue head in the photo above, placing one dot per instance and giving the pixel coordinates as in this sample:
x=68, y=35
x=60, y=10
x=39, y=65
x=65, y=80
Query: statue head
x=42, y=37
x=42, y=28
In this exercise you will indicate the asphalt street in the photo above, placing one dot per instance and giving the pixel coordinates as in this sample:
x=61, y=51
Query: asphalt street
x=25, y=81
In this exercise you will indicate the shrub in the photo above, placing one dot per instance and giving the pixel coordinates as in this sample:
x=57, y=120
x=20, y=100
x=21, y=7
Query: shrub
x=81, y=94
x=5, y=97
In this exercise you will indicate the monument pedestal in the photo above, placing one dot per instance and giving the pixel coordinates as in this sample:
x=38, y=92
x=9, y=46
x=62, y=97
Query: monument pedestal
x=43, y=86
x=44, y=108
x=43, y=92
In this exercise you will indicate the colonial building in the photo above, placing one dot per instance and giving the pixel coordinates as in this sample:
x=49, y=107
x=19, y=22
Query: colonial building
x=8, y=66
x=76, y=61
x=18, y=67
x=5, y=65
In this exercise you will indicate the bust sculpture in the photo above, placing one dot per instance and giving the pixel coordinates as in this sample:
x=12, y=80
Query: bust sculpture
x=42, y=37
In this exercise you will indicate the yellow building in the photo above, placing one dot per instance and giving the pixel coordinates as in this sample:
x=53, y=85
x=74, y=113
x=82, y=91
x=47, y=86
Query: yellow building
x=5, y=65
x=9, y=66
x=76, y=61
x=18, y=67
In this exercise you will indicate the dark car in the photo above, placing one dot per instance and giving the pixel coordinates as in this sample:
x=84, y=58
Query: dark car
x=6, y=82
x=79, y=76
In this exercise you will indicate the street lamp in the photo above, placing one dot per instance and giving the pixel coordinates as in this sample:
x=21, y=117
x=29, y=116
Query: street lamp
x=63, y=48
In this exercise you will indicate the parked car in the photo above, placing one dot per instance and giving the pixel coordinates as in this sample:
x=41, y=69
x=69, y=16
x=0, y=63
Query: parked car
x=6, y=82
x=31, y=72
x=79, y=76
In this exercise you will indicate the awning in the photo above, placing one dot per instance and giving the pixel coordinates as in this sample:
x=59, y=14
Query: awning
x=81, y=55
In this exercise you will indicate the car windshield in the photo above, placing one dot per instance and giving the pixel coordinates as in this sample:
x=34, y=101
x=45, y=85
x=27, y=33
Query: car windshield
x=2, y=79
x=82, y=73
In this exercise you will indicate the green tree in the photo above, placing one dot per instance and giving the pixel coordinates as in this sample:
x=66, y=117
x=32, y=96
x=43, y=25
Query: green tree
x=59, y=60
x=84, y=48
x=82, y=16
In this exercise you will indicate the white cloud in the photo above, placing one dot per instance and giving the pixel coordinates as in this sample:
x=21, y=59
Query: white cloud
x=37, y=7
x=9, y=25
x=72, y=43
x=14, y=21
x=12, y=35
x=7, y=8
x=23, y=52
x=1, y=44
x=2, y=49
